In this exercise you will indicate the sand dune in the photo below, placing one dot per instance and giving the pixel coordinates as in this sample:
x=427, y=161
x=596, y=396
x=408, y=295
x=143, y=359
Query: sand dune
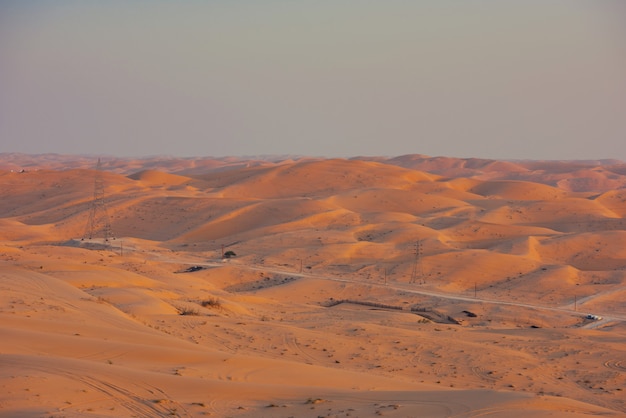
x=154, y=177
x=575, y=176
x=318, y=178
x=407, y=286
x=517, y=190
x=614, y=201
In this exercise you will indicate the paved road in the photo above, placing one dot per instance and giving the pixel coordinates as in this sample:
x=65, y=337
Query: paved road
x=608, y=317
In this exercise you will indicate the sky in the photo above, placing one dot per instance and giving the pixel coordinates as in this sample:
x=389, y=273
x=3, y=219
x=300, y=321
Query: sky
x=502, y=79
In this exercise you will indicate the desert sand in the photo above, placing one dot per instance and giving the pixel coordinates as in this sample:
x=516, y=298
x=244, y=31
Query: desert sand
x=412, y=286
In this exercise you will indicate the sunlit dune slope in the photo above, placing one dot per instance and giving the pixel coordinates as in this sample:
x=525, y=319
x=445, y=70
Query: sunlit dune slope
x=409, y=286
x=517, y=190
x=575, y=176
x=153, y=177
x=614, y=201
x=319, y=178
x=359, y=201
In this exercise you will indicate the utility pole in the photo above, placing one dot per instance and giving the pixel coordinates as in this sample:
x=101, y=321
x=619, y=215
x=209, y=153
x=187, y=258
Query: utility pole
x=98, y=217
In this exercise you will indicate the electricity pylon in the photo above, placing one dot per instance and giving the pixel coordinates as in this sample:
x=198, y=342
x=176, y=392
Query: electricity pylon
x=98, y=221
x=417, y=263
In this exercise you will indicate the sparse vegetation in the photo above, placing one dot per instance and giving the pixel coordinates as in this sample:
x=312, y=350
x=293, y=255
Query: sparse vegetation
x=192, y=269
x=383, y=329
x=211, y=303
x=188, y=311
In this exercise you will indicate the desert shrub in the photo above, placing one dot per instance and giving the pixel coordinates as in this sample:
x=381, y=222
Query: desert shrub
x=229, y=254
x=211, y=303
x=187, y=311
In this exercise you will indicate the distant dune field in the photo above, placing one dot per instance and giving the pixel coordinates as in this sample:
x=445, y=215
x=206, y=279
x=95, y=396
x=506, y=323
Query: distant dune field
x=411, y=286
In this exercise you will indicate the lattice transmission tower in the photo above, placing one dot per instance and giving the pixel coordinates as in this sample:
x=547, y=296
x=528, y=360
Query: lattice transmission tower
x=417, y=263
x=98, y=222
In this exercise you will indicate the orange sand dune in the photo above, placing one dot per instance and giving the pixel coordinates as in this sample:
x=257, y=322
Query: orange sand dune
x=581, y=176
x=159, y=178
x=517, y=190
x=614, y=201
x=315, y=178
x=601, y=251
x=576, y=176
x=408, y=286
x=399, y=201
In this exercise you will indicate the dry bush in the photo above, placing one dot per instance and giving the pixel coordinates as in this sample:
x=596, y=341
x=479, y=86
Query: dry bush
x=188, y=311
x=211, y=303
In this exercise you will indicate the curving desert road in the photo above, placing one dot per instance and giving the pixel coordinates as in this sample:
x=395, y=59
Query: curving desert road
x=607, y=317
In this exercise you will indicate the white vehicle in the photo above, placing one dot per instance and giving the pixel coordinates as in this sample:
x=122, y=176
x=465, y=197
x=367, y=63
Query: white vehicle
x=594, y=317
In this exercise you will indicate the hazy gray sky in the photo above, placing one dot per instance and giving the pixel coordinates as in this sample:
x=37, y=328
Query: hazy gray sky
x=537, y=79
